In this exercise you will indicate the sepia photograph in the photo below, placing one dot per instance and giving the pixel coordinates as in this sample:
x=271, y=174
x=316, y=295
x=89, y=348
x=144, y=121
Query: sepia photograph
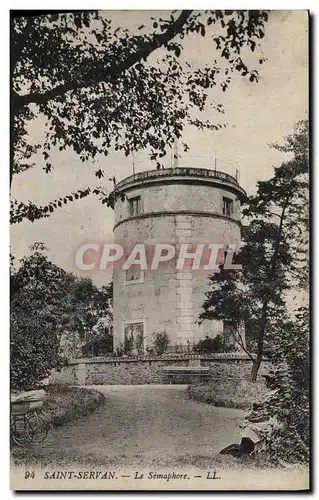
x=159, y=250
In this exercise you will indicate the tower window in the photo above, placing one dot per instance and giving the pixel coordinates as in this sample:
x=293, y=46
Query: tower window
x=134, y=274
x=227, y=206
x=135, y=206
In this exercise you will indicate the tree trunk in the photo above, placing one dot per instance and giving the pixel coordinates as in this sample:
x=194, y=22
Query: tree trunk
x=263, y=323
x=255, y=368
x=260, y=343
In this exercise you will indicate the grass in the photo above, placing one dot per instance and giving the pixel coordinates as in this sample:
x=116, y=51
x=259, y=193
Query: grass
x=229, y=392
x=65, y=403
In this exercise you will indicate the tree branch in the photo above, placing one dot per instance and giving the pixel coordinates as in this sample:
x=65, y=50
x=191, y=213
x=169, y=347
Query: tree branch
x=94, y=77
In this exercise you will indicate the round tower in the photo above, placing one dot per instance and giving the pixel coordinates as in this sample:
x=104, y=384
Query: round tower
x=173, y=206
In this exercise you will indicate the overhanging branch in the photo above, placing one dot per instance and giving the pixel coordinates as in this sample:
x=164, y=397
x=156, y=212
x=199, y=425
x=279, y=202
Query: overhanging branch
x=111, y=73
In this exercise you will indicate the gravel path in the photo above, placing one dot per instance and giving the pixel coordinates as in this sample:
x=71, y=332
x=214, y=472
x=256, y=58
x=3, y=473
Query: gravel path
x=143, y=424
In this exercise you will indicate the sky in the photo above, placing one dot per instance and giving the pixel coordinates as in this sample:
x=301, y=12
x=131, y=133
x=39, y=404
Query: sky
x=256, y=116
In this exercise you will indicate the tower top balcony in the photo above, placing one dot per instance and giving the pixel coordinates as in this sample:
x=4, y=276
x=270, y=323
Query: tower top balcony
x=178, y=175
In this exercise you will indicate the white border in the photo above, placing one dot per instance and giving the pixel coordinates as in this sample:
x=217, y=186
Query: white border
x=4, y=96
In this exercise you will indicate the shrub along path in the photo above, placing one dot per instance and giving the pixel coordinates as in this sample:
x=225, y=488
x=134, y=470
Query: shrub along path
x=150, y=424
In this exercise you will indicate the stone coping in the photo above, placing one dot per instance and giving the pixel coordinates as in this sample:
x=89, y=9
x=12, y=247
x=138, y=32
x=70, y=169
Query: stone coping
x=172, y=357
x=178, y=171
x=188, y=369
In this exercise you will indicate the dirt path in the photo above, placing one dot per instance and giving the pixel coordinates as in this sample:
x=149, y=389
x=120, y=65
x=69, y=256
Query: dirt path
x=143, y=424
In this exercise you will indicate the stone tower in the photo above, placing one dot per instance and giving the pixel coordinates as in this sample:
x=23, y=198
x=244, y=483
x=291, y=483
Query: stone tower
x=174, y=206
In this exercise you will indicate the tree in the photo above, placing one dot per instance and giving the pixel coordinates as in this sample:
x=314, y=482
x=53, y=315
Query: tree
x=45, y=305
x=289, y=405
x=38, y=289
x=289, y=440
x=92, y=315
x=273, y=252
x=101, y=89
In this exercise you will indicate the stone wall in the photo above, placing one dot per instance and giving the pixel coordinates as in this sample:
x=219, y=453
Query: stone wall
x=136, y=371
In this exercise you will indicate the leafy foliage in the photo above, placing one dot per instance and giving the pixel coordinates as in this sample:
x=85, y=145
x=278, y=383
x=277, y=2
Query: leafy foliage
x=91, y=309
x=48, y=303
x=275, y=258
x=101, y=89
x=274, y=248
x=289, y=405
x=227, y=391
x=100, y=345
x=34, y=351
x=20, y=211
x=161, y=343
x=208, y=345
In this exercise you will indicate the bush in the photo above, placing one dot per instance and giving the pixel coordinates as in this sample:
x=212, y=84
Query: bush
x=231, y=393
x=160, y=343
x=139, y=344
x=34, y=351
x=208, y=345
x=64, y=403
